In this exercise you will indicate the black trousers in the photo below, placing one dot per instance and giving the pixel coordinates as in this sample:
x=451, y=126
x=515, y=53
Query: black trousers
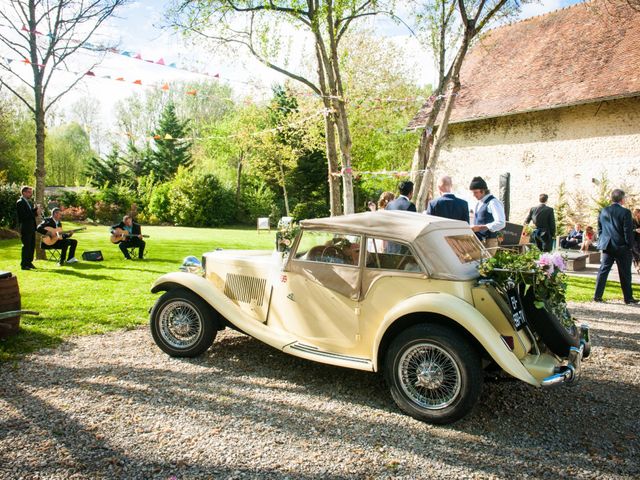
x=133, y=242
x=542, y=239
x=28, y=238
x=622, y=258
x=63, y=244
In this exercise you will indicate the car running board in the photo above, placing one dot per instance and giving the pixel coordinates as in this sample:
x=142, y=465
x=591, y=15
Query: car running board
x=314, y=353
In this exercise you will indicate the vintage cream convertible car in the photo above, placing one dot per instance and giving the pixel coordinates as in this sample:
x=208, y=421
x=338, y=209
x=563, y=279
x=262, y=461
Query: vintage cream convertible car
x=393, y=292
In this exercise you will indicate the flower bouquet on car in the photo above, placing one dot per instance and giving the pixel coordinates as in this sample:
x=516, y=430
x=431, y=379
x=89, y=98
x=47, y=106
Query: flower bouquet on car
x=286, y=234
x=542, y=285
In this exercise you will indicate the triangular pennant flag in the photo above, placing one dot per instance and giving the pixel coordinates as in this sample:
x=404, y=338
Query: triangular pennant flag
x=160, y=62
x=9, y=60
x=126, y=54
x=90, y=74
x=165, y=87
x=88, y=45
x=191, y=92
x=106, y=76
x=120, y=79
x=168, y=137
x=157, y=137
x=172, y=65
x=27, y=61
x=149, y=61
x=217, y=75
x=24, y=28
x=137, y=56
x=137, y=82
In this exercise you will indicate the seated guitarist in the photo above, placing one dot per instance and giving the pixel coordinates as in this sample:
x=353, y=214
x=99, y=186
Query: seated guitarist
x=48, y=227
x=132, y=236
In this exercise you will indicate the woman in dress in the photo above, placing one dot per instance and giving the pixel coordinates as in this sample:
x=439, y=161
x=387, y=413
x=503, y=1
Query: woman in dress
x=589, y=239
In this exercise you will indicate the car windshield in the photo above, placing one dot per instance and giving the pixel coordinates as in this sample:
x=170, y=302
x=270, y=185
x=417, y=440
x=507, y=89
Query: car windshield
x=329, y=247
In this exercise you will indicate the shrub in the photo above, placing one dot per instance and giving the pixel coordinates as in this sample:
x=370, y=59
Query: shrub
x=200, y=200
x=106, y=212
x=257, y=201
x=87, y=200
x=74, y=214
x=159, y=203
x=310, y=209
x=9, y=194
x=69, y=199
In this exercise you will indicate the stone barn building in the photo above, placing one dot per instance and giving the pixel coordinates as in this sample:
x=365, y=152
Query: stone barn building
x=553, y=100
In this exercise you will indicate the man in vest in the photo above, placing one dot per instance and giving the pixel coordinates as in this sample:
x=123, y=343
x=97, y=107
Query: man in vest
x=489, y=215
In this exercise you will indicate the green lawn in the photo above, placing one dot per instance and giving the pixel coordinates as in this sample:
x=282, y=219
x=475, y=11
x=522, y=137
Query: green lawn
x=95, y=297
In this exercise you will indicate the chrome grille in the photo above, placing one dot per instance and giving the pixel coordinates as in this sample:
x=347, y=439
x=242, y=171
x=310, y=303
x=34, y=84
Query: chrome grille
x=245, y=289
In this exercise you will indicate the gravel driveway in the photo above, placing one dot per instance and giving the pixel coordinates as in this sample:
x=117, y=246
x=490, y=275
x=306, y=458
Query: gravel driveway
x=114, y=406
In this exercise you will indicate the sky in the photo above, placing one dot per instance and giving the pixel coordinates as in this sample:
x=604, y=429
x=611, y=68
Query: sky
x=136, y=29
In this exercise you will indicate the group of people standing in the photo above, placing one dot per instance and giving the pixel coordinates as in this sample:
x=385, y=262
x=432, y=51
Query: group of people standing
x=489, y=216
x=618, y=229
x=51, y=228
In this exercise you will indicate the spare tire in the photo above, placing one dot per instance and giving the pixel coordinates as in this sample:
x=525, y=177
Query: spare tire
x=558, y=338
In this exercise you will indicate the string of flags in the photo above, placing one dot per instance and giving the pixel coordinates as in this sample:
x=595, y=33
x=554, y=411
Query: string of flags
x=395, y=174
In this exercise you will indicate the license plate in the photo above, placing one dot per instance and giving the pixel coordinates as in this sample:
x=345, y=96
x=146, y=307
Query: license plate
x=517, y=313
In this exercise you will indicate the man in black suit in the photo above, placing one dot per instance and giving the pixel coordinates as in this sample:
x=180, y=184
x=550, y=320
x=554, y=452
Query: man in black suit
x=544, y=219
x=615, y=239
x=27, y=221
x=448, y=205
x=64, y=242
x=133, y=237
x=403, y=202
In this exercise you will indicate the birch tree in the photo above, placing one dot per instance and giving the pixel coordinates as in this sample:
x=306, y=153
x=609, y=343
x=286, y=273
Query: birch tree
x=454, y=25
x=44, y=35
x=255, y=26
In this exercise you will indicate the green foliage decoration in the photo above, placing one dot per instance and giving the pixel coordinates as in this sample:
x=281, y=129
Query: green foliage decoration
x=545, y=273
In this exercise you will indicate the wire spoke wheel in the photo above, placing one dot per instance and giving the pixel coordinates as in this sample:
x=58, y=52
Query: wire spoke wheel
x=180, y=324
x=434, y=373
x=429, y=376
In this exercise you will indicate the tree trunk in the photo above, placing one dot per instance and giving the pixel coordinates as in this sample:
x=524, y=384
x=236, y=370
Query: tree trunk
x=284, y=191
x=452, y=88
x=332, y=164
x=40, y=168
x=238, y=178
x=330, y=135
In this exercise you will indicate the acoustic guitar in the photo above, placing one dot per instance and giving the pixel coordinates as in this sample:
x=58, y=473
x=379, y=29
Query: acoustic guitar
x=55, y=234
x=120, y=235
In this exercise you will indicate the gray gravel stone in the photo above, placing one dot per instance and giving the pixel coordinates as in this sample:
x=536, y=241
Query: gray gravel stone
x=115, y=406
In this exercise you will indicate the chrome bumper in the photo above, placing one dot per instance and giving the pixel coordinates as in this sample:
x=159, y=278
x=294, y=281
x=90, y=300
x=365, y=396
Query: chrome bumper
x=570, y=373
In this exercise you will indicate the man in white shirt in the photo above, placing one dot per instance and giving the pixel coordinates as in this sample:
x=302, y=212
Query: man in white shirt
x=489, y=217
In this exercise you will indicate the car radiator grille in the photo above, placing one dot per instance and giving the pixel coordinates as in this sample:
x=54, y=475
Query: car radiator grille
x=245, y=289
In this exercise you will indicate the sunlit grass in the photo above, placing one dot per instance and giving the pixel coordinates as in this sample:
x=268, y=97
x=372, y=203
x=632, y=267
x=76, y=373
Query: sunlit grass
x=95, y=297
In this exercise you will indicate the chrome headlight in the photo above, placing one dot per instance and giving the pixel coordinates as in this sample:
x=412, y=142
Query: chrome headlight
x=191, y=264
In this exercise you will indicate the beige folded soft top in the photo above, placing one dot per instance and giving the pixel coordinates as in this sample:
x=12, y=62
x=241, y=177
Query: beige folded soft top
x=425, y=233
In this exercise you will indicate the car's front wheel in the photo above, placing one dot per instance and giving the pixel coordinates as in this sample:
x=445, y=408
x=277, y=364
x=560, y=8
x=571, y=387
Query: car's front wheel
x=434, y=373
x=182, y=324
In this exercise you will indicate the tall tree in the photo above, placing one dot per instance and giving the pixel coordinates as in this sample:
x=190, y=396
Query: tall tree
x=106, y=171
x=253, y=24
x=171, y=148
x=459, y=30
x=45, y=34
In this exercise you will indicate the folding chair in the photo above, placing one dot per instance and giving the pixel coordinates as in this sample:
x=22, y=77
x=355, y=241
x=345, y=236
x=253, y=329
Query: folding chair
x=53, y=254
x=133, y=252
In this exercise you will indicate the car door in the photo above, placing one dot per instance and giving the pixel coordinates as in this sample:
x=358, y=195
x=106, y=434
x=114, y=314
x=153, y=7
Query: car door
x=316, y=298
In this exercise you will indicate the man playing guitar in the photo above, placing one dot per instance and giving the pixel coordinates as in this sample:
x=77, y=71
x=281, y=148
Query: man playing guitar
x=51, y=229
x=128, y=234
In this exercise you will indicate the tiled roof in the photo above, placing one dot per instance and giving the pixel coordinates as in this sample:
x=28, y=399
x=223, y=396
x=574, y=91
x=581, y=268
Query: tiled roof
x=581, y=54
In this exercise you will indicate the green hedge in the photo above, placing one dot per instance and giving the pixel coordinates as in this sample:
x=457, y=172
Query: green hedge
x=9, y=194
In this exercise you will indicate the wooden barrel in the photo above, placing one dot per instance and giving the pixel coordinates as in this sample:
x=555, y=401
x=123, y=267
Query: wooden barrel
x=9, y=301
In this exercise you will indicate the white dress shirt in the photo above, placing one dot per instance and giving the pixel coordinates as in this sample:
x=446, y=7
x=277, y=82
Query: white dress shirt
x=496, y=209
